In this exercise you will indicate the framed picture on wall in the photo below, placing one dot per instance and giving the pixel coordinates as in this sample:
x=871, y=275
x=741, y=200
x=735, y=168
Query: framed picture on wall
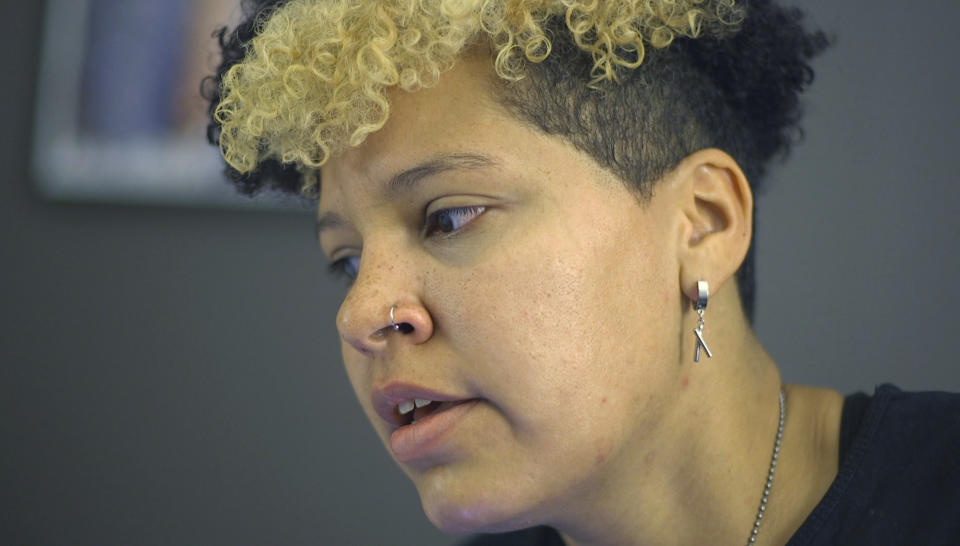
x=119, y=113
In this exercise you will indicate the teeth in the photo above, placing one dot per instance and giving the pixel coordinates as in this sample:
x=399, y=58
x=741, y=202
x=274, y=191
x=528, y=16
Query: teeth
x=407, y=406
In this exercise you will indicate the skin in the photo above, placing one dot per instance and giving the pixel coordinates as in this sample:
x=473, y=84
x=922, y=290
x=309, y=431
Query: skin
x=565, y=307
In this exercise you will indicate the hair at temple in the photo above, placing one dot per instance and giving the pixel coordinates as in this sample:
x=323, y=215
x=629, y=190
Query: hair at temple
x=293, y=88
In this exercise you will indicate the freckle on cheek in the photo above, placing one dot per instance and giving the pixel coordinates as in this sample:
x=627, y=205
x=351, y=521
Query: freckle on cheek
x=686, y=381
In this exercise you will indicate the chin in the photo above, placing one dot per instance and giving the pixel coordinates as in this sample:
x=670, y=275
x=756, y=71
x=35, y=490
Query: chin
x=485, y=511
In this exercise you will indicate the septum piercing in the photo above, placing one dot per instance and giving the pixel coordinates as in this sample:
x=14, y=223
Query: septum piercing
x=393, y=322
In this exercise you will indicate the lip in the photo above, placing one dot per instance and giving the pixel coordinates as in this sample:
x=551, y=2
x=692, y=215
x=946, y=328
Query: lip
x=386, y=399
x=418, y=440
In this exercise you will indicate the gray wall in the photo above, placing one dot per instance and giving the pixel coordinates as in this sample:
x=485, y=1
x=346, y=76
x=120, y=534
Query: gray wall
x=171, y=376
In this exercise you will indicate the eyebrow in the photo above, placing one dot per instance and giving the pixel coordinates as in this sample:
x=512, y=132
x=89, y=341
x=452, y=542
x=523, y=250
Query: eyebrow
x=407, y=180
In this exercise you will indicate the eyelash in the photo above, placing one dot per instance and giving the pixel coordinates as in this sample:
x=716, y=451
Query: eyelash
x=433, y=219
x=339, y=267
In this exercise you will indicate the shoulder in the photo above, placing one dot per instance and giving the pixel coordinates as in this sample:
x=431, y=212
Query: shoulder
x=912, y=401
x=913, y=425
x=899, y=482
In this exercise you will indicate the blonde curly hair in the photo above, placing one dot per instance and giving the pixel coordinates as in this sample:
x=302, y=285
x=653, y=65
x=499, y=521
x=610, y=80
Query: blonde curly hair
x=314, y=79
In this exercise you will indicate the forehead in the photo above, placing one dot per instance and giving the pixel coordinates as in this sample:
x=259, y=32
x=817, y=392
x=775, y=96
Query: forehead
x=458, y=118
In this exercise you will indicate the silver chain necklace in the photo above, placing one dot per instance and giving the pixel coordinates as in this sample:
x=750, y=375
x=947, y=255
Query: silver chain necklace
x=773, y=468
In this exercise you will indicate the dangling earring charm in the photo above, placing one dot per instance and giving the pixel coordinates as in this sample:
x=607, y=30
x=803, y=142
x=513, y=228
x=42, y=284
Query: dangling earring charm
x=703, y=294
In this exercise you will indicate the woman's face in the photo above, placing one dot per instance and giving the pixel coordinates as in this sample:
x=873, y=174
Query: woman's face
x=539, y=298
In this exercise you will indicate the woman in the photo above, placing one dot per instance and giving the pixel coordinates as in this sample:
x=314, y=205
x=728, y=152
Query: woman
x=546, y=210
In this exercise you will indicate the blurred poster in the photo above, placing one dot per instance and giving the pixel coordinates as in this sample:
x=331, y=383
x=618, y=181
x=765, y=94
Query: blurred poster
x=119, y=113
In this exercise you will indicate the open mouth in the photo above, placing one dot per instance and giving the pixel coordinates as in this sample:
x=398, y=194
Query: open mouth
x=424, y=429
x=409, y=412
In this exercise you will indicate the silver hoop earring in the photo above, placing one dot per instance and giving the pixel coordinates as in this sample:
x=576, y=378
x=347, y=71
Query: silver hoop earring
x=703, y=294
x=393, y=322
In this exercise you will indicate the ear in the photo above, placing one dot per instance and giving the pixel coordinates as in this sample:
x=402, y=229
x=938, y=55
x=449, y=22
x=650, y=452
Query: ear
x=716, y=205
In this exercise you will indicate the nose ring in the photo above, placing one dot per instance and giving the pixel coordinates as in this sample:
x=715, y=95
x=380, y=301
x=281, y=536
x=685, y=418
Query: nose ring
x=393, y=322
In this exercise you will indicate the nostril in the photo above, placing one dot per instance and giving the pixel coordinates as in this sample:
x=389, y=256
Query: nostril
x=405, y=328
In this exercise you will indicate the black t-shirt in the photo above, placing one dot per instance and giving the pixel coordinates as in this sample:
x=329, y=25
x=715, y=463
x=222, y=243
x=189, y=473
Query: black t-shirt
x=898, y=482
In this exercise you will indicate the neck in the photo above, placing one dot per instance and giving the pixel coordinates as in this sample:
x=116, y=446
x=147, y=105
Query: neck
x=701, y=477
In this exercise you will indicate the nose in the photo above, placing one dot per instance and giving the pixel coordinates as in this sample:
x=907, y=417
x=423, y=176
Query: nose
x=364, y=319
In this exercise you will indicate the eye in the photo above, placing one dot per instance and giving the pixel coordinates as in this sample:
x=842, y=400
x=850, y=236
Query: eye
x=448, y=221
x=444, y=221
x=346, y=267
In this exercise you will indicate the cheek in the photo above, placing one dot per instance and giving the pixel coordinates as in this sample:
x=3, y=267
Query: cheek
x=569, y=323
